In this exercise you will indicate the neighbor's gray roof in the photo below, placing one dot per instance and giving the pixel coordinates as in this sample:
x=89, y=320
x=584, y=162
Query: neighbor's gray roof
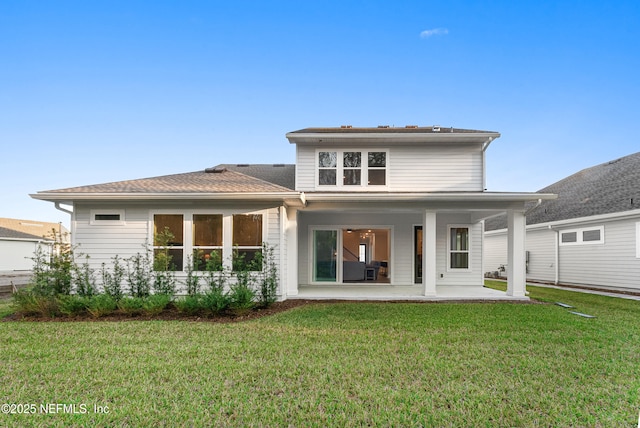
x=603, y=189
x=15, y=234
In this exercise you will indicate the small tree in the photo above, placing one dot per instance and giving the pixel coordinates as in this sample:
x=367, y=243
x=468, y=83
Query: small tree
x=112, y=281
x=192, y=280
x=268, y=280
x=84, y=279
x=164, y=278
x=139, y=275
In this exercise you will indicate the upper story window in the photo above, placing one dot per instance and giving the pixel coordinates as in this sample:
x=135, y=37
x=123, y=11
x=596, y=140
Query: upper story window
x=351, y=168
x=589, y=235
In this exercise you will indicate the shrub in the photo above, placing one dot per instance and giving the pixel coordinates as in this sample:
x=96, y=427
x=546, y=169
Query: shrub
x=190, y=305
x=156, y=303
x=131, y=306
x=215, y=301
x=112, y=281
x=72, y=305
x=101, y=305
x=32, y=302
x=241, y=297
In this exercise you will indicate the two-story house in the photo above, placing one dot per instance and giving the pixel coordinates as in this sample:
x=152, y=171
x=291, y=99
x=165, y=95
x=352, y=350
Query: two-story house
x=380, y=212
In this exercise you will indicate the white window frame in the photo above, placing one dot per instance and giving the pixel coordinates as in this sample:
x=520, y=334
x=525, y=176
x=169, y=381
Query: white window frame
x=227, y=230
x=94, y=222
x=469, y=252
x=580, y=236
x=364, y=169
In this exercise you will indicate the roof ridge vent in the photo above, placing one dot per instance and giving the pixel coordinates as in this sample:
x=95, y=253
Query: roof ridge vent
x=215, y=170
x=411, y=126
x=346, y=126
x=278, y=165
x=383, y=126
x=435, y=128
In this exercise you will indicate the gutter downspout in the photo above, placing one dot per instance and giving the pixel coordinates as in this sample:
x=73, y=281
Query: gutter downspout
x=485, y=146
x=556, y=255
x=64, y=210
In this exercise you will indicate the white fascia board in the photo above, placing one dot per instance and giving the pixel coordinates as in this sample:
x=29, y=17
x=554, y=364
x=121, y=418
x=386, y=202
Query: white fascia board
x=387, y=137
x=435, y=197
x=291, y=198
x=37, y=240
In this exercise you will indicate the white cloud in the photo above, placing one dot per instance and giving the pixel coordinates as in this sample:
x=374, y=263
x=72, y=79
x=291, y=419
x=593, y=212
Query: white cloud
x=434, y=32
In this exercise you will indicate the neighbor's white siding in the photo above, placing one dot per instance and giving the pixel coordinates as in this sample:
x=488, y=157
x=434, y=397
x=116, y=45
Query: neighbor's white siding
x=426, y=168
x=610, y=264
x=541, y=247
x=17, y=255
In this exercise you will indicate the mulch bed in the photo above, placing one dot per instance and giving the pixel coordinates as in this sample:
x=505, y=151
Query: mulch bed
x=172, y=314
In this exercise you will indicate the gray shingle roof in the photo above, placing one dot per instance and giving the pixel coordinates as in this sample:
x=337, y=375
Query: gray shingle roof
x=15, y=234
x=607, y=188
x=228, y=181
x=281, y=174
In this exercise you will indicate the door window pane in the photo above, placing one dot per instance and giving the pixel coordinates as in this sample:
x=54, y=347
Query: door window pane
x=325, y=246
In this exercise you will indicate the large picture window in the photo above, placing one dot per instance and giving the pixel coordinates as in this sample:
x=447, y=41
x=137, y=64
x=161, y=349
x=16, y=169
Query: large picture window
x=459, y=247
x=352, y=169
x=247, y=240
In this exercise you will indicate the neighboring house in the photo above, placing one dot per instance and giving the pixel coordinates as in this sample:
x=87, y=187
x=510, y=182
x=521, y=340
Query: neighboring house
x=398, y=209
x=589, y=236
x=19, y=240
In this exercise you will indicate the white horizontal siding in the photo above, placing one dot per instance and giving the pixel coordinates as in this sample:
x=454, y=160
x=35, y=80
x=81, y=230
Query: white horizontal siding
x=305, y=168
x=425, y=168
x=436, y=168
x=495, y=252
x=612, y=264
x=541, y=247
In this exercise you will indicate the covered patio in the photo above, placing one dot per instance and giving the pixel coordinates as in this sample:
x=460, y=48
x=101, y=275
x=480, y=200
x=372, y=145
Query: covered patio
x=403, y=293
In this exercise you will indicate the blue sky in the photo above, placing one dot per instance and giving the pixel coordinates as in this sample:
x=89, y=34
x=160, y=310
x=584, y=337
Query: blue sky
x=92, y=92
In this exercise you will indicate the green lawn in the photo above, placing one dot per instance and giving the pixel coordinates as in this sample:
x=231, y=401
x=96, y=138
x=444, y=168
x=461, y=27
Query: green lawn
x=346, y=364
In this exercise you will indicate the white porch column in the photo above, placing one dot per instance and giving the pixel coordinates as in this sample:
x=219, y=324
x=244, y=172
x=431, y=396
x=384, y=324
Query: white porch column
x=429, y=273
x=516, y=270
x=291, y=262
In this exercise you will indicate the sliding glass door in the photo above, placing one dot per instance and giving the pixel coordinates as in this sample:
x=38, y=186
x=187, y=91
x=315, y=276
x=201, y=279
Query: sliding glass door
x=325, y=252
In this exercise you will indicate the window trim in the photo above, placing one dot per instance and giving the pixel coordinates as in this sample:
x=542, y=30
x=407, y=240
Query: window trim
x=469, y=252
x=227, y=230
x=340, y=168
x=580, y=236
x=94, y=213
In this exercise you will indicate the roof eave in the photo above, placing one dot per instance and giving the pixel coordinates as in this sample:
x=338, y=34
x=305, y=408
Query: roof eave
x=312, y=138
x=289, y=198
x=431, y=196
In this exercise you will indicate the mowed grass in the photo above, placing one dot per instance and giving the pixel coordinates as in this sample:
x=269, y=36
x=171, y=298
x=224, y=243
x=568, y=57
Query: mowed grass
x=341, y=364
